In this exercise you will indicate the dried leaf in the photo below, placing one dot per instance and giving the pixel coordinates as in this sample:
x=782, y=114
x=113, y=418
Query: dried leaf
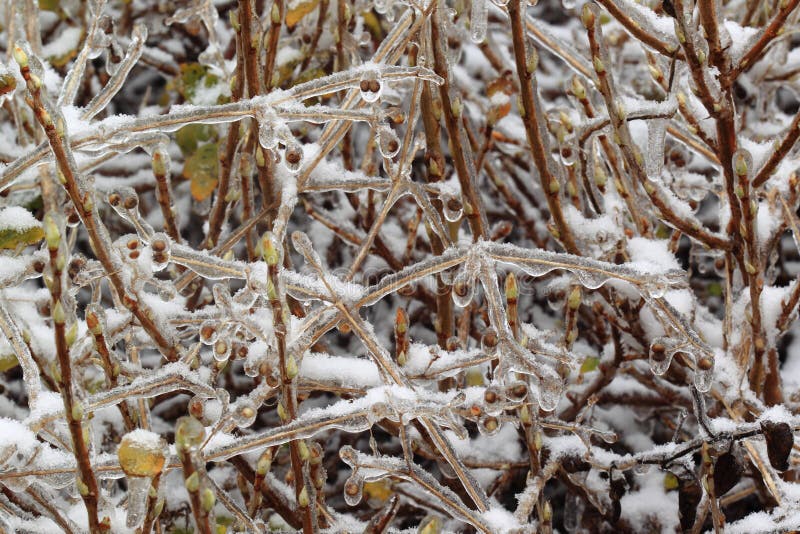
x=689, y=495
x=779, y=443
x=727, y=473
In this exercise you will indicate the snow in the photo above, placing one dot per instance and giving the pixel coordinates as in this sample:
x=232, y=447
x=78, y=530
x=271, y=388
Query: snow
x=144, y=438
x=17, y=219
x=67, y=40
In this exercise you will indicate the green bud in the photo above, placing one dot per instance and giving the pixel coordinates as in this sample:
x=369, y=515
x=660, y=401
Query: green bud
x=20, y=56
x=52, y=234
x=193, y=482
x=269, y=251
x=58, y=314
x=77, y=411
x=264, y=463
x=291, y=367
x=302, y=450
x=207, y=499
x=574, y=300
x=303, y=500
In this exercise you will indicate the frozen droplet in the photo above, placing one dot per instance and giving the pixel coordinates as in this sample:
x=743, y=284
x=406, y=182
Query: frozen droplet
x=160, y=245
x=479, y=20
x=370, y=86
x=267, y=137
x=608, y=437
x=568, y=4
x=489, y=341
x=209, y=332
x=661, y=352
x=549, y=393
x=293, y=156
x=138, y=490
x=657, y=289
x=244, y=413
x=222, y=350
x=452, y=208
x=704, y=373
x=489, y=425
x=463, y=289
x=590, y=279
x=353, y=489
x=388, y=142
x=568, y=150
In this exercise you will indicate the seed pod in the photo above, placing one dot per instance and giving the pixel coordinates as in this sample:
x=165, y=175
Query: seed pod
x=727, y=473
x=779, y=443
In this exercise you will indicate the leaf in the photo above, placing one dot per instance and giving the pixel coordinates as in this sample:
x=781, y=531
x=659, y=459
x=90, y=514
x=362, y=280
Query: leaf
x=202, y=169
x=8, y=362
x=18, y=228
x=11, y=239
x=727, y=473
x=296, y=14
x=190, y=136
x=779, y=443
x=50, y=5
x=689, y=495
x=670, y=482
x=590, y=364
x=379, y=490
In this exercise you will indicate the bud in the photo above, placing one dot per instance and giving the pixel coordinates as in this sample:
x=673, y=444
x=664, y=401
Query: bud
x=303, y=500
x=512, y=290
x=291, y=367
x=302, y=450
x=58, y=314
x=401, y=321
x=207, y=498
x=192, y=483
x=264, y=463
x=269, y=251
x=574, y=300
x=587, y=16
x=52, y=234
x=20, y=56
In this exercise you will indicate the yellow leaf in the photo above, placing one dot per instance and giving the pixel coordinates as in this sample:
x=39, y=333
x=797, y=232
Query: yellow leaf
x=202, y=168
x=670, y=482
x=18, y=228
x=296, y=14
x=379, y=490
x=8, y=362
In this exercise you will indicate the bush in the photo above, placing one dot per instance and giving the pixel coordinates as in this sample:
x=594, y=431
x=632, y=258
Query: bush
x=368, y=267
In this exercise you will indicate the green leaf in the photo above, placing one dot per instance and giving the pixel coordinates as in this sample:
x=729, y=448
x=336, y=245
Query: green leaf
x=202, y=168
x=590, y=364
x=191, y=136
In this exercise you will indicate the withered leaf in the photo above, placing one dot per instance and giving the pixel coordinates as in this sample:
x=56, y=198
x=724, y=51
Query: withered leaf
x=779, y=443
x=727, y=472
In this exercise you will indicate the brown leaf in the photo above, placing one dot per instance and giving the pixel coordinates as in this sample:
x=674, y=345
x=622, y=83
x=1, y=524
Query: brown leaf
x=779, y=443
x=727, y=472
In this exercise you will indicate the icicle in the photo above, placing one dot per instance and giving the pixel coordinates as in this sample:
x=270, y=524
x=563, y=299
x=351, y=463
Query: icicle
x=479, y=20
